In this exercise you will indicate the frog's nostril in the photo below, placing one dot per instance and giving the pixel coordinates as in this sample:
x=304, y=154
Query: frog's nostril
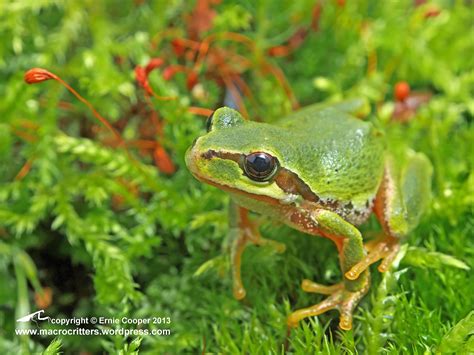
x=194, y=143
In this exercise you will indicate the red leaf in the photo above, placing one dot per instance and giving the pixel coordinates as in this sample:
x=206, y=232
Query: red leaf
x=142, y=78
x=163, y=161
x=201, y=18
x=178, y=46
x=153, y=64
x=191, y=80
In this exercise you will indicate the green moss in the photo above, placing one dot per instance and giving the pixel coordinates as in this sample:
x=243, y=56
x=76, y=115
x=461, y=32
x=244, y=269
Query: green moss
x=111, y=235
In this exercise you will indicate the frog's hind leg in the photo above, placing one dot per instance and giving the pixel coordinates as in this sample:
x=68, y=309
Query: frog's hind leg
x=346, y=295
x=399, y=203
x=243, y=231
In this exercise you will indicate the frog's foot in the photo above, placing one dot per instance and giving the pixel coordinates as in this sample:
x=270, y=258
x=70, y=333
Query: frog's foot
x=386, y=248
x=339, y=298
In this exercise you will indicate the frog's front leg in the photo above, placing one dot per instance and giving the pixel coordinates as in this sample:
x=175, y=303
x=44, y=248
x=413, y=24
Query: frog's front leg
x=243, y=231
x=344, y=296
x=400, y=201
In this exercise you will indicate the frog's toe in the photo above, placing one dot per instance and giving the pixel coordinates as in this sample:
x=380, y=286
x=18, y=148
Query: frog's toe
x=239, y=292
x=386, y=249
x=339, y=298
x=276, y=246
x=329, y=303
x=390, y=255
x=313, y=287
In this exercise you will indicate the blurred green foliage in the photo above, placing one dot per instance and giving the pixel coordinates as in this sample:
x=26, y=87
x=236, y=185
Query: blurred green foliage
x=110, y=235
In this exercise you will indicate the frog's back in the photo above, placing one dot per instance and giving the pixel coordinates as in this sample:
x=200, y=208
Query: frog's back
x=339, y=156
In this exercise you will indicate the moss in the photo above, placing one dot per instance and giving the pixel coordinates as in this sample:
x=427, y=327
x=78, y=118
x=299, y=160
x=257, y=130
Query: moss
x=115, y=233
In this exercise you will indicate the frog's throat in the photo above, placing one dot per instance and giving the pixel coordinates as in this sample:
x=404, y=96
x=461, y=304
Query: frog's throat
x=288, y=181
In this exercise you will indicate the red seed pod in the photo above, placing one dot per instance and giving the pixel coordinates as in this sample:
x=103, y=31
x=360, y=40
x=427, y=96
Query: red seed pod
x=37, y=75
x=402, y=90
x=316, y=16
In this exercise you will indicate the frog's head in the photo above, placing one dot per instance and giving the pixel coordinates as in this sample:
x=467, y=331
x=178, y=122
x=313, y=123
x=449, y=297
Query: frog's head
x=238, y=156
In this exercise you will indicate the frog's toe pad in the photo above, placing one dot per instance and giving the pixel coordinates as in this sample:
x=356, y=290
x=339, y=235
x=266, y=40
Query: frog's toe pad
x=341, y=299
x=239, y=293
x=386, y=249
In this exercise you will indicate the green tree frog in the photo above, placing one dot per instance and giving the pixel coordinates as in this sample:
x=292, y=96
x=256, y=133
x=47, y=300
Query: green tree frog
x=321, y=171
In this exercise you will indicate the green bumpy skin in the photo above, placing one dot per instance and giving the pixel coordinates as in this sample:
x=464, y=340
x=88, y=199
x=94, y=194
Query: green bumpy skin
x=409, y=190
x=340, y=158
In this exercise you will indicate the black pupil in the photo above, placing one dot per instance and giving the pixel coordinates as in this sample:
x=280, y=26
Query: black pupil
x=259, y=166
x=209, y=122
x=259, y=162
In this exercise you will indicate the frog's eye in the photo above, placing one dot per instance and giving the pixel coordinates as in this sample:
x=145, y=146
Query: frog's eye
x=260, y=166
x=209, y=122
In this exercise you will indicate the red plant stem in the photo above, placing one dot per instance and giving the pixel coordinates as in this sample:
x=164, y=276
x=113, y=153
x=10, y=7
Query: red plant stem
x=163, y=98
x=161, y=35
x=371, y=62
x=153, y=113
x=200, y=111
x=25, y=169
x=37, y=75
x=28, y=124
x=185, y=42
x=173, y=69
x=236, y=94
x=94, y=111
x=278, y=73
x=232, y=36
x=236, y=37
x=244, y=87
x=26, y=136
x=143, y=144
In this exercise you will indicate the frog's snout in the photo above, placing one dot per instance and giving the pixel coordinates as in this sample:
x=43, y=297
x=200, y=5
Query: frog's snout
x=191, y=158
